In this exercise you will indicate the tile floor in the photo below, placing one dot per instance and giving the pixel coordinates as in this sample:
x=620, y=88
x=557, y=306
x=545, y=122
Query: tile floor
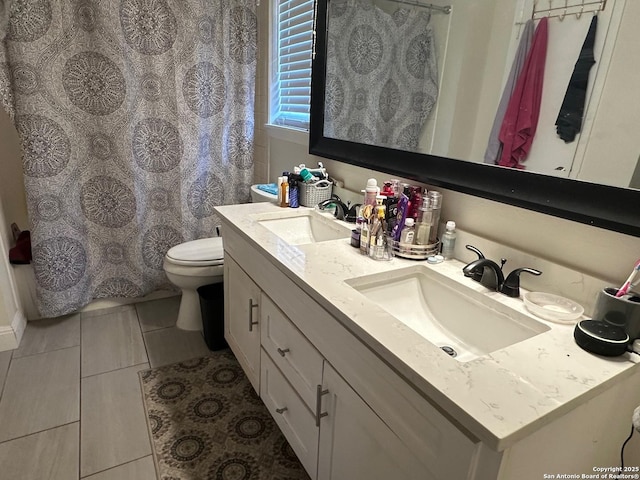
x=70, y=400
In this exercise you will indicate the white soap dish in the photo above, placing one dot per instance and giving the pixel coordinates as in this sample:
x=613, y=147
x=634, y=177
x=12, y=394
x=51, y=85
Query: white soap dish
x=553, y=307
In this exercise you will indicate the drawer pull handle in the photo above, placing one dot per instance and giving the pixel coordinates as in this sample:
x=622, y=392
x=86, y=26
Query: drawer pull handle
x=281, y=410
x=319, y=393
x=251, y=321
x=283, y=352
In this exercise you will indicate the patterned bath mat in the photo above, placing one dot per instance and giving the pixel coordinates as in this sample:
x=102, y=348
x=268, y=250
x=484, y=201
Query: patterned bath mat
x=206, y=422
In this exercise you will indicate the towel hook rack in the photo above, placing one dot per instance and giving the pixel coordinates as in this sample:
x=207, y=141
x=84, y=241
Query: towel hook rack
x=579, y=14
x=564, y=12
x=550, y=8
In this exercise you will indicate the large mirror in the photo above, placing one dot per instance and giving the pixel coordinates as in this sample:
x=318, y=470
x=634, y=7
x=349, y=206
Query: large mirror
x=445, y=113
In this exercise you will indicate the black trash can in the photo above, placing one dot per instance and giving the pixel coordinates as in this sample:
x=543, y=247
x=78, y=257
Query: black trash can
x=212, y=309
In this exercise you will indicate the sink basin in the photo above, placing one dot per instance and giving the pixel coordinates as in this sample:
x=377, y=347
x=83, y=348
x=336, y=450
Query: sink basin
x=304, y=227
x=463, y=322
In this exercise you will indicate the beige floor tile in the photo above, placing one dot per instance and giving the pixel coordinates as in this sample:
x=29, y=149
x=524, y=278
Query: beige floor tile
x=157, y=314
x=171, y=345
x=142, y=469
x=51, y=455
x=50, y=334
x=111, y=341
x=41, y=392
x=5, y=359
x=108, y=311
x=113, y=428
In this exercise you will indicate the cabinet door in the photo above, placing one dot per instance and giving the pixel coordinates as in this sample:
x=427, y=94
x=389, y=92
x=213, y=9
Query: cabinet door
x=241, y=322
x=355, y=444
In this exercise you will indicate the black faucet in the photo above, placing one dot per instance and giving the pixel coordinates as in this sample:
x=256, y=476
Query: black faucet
x=347, y=212
x=490, y=275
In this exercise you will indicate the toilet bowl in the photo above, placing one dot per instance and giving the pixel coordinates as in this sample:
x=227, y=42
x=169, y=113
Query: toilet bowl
x=258, y=195
x=189, y=266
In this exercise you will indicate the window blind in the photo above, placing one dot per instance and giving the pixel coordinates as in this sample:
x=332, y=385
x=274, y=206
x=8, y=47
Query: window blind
x=291, y=83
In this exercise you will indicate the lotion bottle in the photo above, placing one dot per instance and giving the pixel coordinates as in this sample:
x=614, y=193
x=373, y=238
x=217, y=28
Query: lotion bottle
x=284, y=192
x=408, y=233
x=449, y=240
x=371, y=192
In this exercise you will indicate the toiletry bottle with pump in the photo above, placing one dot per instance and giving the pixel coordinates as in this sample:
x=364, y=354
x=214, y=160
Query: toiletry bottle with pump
x=371, y=192
x=449, y=240
x=284, y=192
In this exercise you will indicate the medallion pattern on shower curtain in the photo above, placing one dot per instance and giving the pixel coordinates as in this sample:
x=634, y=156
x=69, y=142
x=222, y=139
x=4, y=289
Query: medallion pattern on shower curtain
x=136, y=120
x=382, y=74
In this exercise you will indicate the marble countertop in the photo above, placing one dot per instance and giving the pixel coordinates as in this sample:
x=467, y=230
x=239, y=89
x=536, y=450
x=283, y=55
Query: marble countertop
x=500, y=397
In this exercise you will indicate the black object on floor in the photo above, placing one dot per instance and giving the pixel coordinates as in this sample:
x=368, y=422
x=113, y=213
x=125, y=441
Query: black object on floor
x=212, y=310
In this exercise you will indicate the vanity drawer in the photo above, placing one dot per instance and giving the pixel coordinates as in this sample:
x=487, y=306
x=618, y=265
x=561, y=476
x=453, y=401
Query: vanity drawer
x=294, y=355
x=295, y=420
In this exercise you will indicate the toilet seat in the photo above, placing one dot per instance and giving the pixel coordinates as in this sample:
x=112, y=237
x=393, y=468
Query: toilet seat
x=197, y=253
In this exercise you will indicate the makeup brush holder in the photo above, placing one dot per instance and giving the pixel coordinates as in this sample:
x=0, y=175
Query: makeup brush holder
x=623, y=312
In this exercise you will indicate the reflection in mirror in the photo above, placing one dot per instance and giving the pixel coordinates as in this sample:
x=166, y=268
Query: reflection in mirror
x=382, y=74
x=430, y=80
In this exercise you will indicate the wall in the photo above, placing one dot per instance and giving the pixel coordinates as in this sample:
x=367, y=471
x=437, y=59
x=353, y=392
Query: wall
x=617, y=114
x=12, y=209
x=594, y=251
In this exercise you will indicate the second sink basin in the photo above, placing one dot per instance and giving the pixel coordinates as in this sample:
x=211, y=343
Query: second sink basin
x=447, y=313
x=305, y=226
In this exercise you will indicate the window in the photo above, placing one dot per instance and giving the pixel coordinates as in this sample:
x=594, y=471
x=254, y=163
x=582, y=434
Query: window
x=291, y=63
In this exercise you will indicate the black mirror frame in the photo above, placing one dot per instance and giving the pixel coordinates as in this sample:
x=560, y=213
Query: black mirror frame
x=611, y=208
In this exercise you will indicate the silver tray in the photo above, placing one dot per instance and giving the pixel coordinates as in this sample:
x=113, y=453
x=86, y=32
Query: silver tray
x=415, y=252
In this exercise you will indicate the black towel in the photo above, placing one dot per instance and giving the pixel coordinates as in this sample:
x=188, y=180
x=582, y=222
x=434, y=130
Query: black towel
x=569, y=121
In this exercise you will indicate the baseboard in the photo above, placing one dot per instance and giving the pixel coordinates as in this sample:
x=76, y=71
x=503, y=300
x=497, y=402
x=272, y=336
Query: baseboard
x=18, y=325
x=10, y=336
x=104, y=303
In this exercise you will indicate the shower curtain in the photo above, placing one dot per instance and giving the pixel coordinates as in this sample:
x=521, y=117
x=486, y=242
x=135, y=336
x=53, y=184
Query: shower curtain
x=136, y=120
x=382, y=74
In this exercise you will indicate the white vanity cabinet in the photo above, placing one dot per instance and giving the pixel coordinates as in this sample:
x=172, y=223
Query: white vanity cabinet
x=391, y=406
x=241, y=319
x=346, y=414
x=331, y=429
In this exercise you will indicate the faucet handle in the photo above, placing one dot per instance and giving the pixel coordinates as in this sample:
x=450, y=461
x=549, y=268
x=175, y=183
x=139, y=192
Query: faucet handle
x=511, y=286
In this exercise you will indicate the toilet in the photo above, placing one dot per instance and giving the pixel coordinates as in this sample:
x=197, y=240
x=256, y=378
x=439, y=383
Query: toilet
x=258, y=195
x=191, y=265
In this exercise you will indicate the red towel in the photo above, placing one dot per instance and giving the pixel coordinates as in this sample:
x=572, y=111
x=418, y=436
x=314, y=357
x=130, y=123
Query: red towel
x=521, y=118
